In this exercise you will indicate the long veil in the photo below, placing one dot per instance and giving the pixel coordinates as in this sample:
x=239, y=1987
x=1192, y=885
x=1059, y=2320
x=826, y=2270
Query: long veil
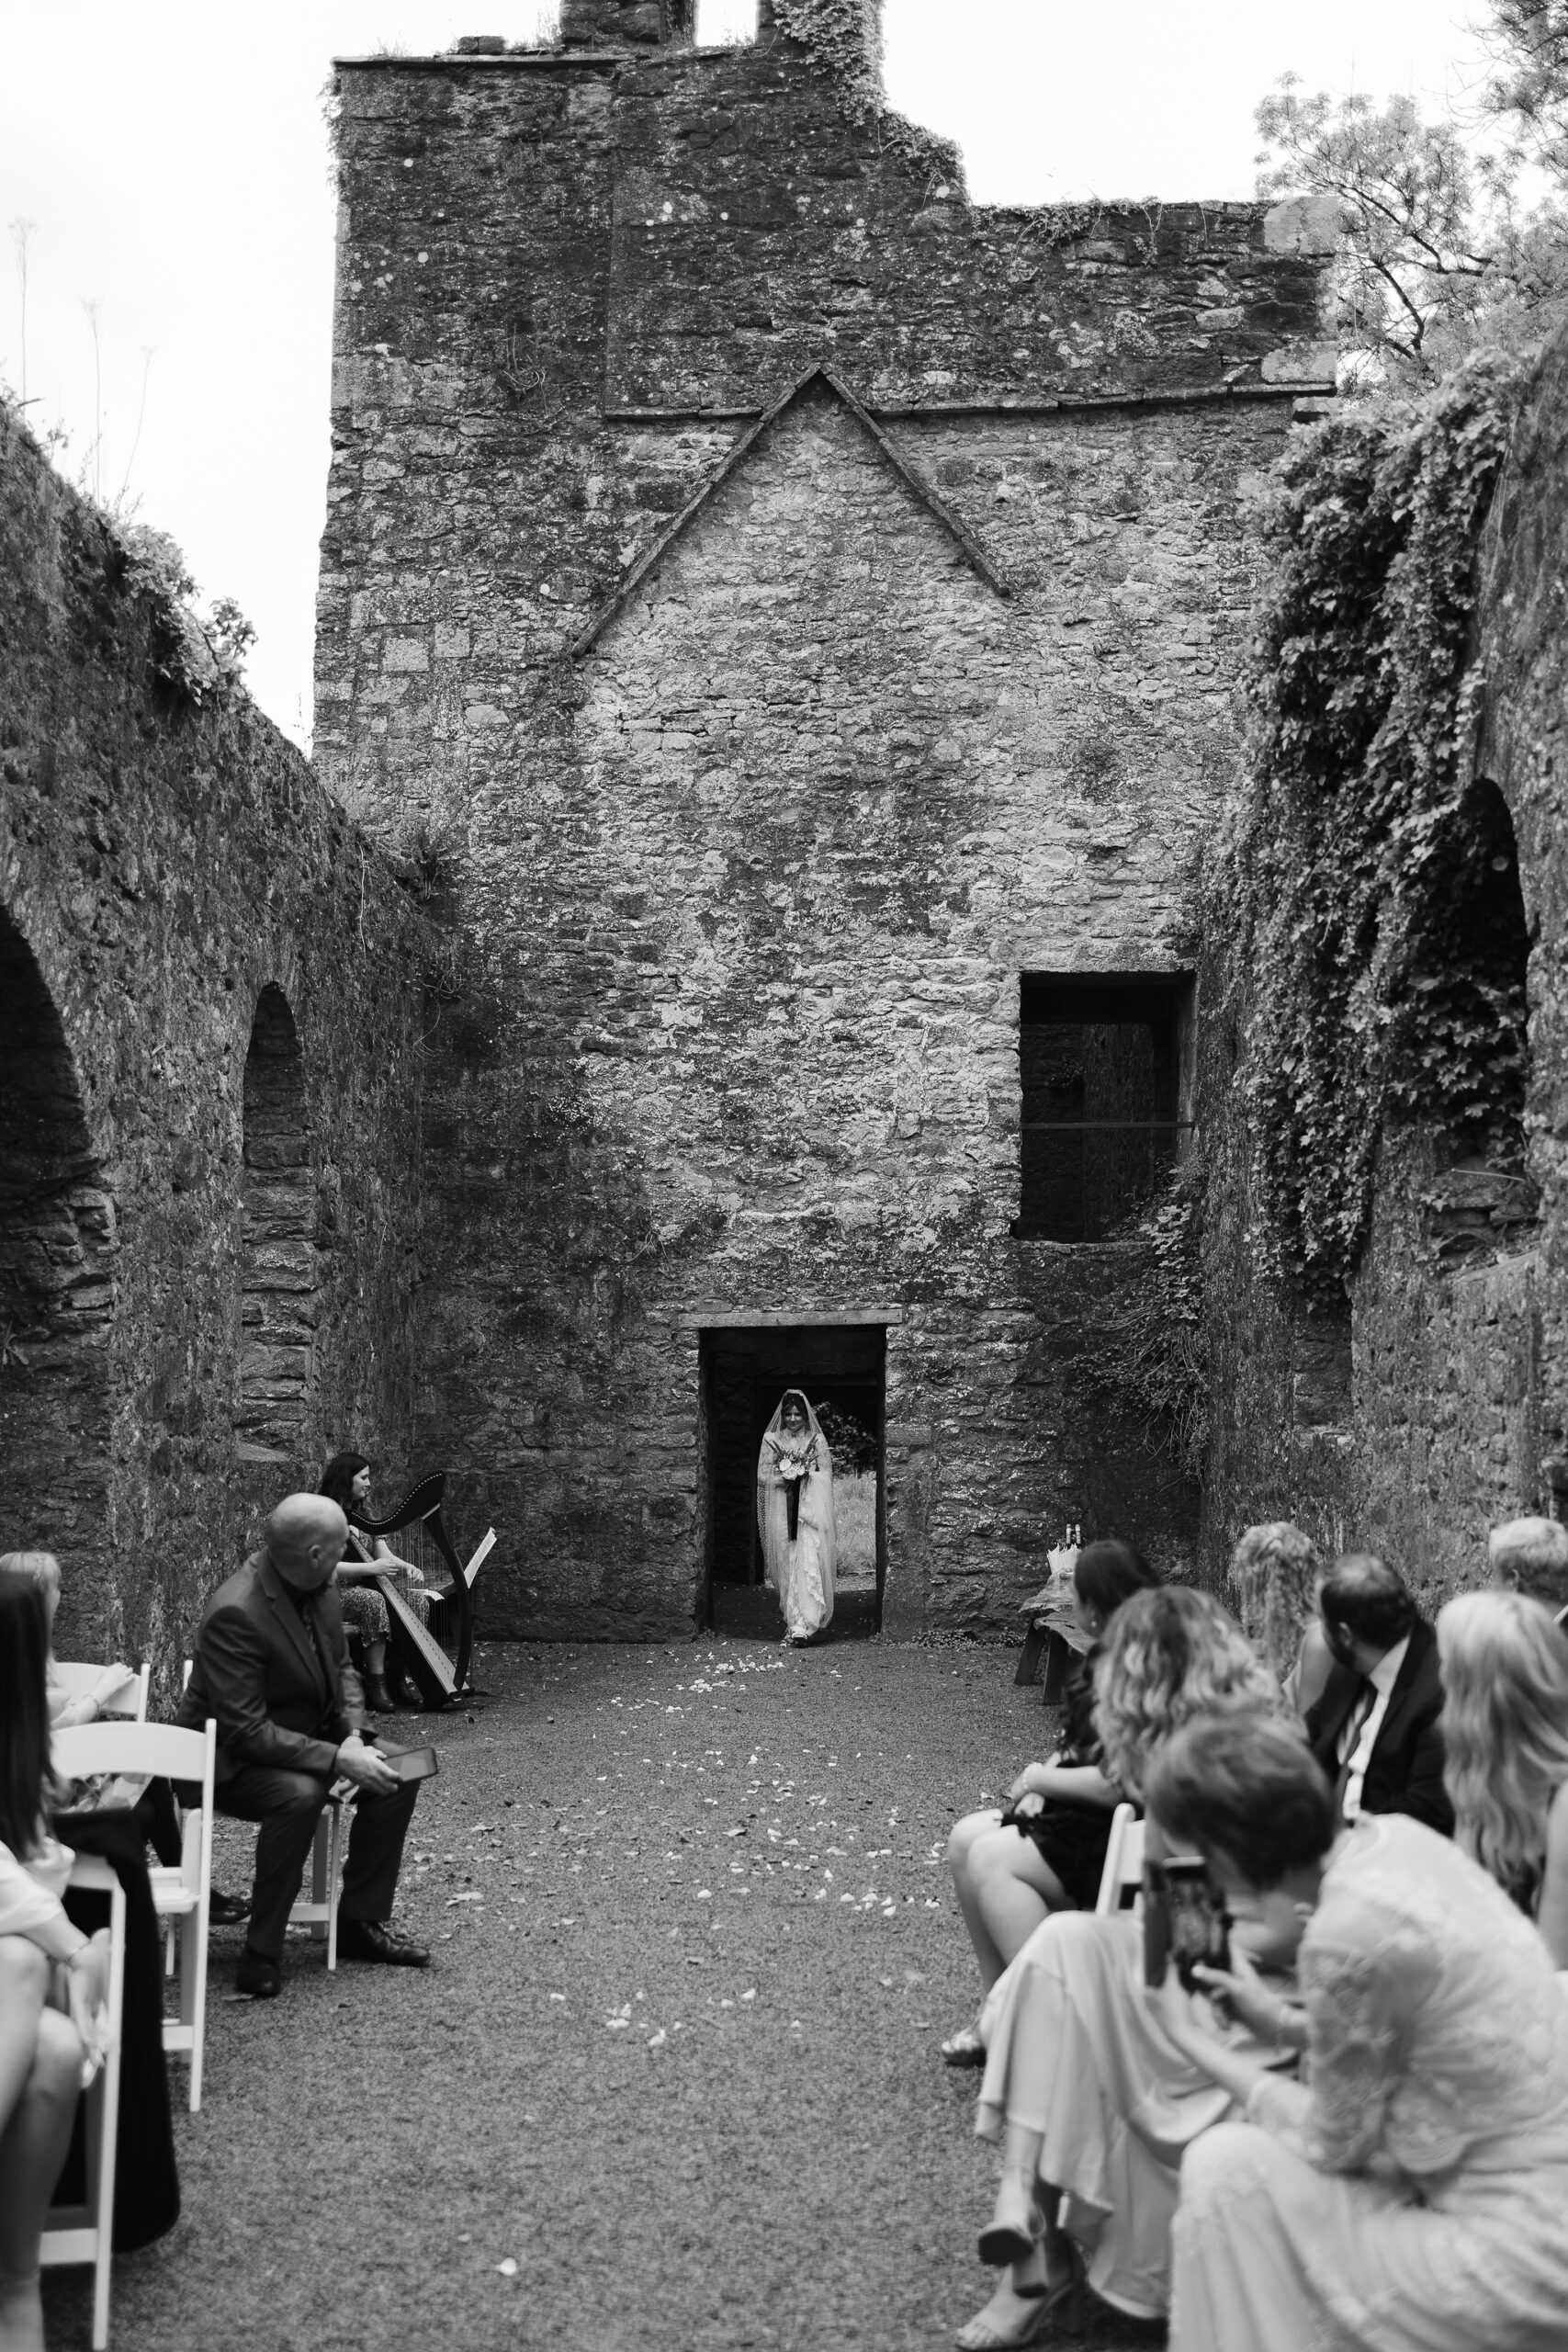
x=800, y=1570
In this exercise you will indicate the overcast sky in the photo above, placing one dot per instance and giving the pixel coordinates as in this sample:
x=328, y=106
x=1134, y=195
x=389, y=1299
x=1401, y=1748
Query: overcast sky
x=174, y=159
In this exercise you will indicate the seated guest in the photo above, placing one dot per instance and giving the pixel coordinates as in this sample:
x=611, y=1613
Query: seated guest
x=1505, y=1669
x=1274, y=1575
x=112, y=1683
x=1532, y=1556
x=346, y=1480
x=1375, y=1730
x=1046, y=1851
x=53, y=1978
x=272, y=1669
x=1089, y=2099
x=154, y=1812
x=1408, y=2195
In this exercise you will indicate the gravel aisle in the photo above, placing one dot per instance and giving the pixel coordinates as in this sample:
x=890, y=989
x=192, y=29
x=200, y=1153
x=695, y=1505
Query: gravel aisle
x=673, y=2080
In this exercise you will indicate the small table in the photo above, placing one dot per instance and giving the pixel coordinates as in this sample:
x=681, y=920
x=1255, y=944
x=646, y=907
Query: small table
x=1054, y=1635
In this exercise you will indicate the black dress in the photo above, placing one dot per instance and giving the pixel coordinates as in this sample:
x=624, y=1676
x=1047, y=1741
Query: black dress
x=1073, y=1836
x=146, y=2184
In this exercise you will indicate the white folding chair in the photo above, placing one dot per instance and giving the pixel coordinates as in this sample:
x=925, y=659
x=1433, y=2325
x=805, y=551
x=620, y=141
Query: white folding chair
x=77, y=1681
x=182, y=1894
x=74, y=2234
x=318, y=1910
x=1123, y=1874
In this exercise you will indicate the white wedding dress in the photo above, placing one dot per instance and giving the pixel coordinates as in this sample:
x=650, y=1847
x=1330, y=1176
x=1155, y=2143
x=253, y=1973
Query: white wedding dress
x=799, y=1567
x=1412, y=2195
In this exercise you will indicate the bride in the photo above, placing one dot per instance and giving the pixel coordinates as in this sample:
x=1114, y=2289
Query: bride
x=795, y=1516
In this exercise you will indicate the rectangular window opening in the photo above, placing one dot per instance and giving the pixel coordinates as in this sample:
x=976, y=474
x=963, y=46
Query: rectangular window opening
x=1105, y=1066
x=725, y=24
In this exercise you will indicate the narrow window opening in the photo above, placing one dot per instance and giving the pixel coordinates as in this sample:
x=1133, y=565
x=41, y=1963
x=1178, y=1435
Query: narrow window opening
x=278, y=1270
x=1460, y=1040
x=1103, y=1063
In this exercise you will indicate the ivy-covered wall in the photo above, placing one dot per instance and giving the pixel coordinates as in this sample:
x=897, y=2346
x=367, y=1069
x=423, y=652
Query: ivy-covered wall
x=1383, y=1072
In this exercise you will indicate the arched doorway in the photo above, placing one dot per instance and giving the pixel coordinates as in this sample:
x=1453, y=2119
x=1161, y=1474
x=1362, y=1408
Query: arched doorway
x=57, y=1302
x=277, y=1248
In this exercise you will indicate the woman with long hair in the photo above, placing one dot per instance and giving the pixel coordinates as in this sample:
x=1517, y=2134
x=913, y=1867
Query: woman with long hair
x=65, y=1711
x=346, y=1481
x=1408, y=2194
x=1091, y=2103
x=1275, y=1572
x=1504, y=1664
x=795, y=1516
x=1045, y=1850
x=53, y=1979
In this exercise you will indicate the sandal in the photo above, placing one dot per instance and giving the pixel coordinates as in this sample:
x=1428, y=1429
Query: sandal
x=1015, y=2225
x=1063, y=2301
x=962, y=2049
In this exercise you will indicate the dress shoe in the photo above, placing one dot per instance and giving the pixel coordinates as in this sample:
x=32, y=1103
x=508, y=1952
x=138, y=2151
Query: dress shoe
x=227, y=1910
x=260, y=1977
x=373, y=1940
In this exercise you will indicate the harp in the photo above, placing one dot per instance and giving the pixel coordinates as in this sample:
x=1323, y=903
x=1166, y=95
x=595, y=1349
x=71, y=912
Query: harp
x=435, y=1656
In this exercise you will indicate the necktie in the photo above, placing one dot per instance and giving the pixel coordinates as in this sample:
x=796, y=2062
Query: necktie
x=307, y=1619
x=1350, y=1729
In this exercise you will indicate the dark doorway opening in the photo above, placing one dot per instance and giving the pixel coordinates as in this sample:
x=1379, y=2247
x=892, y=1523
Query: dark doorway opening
x=745, y=1371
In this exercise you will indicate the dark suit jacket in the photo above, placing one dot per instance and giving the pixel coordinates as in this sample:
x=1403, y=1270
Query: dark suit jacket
x=1404, y=1773
x=257, y=1672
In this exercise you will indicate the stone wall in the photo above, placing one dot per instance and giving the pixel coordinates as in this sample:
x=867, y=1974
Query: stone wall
x=168, y=865
x=1437, y=1404
x=792, y=604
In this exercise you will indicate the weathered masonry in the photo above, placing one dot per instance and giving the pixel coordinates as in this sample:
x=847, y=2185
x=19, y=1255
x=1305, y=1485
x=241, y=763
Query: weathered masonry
x=209, y=1014
x=793, y=615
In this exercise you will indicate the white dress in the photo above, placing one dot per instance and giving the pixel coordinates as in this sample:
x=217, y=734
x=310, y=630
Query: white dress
x=799, y=1567
x=31, y=1893
x=1413, y=2196
x=1115, y=2100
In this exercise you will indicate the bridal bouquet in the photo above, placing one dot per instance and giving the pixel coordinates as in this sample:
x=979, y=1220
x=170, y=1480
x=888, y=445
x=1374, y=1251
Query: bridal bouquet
x=790, y=1465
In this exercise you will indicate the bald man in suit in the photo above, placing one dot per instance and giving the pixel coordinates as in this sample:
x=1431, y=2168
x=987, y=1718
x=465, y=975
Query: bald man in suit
x=272, y=1669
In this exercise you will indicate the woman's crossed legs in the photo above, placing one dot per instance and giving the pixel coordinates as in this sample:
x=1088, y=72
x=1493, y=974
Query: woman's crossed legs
x=41, y=2079
x=1005, y=1888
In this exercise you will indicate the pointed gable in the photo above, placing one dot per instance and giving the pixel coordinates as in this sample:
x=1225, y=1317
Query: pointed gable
x=969, y=548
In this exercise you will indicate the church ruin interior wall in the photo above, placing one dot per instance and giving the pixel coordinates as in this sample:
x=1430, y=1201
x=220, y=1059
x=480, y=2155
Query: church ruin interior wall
x=732, y=869
x=1437, y=1404
x=166, y=865
x=742, y=890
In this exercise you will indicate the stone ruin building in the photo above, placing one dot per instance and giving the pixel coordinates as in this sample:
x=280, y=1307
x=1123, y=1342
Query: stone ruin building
x=776, y=694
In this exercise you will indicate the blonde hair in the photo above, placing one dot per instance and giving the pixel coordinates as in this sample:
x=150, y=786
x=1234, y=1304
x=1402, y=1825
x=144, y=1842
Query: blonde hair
x=1170, y=1654
x=1532, y=1556
x=41, y=1567
x=1505, y=1725
x=1275, y=1571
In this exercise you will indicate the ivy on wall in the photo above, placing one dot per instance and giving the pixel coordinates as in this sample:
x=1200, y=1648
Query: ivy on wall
x=1356, y=876
x=1151, y=1350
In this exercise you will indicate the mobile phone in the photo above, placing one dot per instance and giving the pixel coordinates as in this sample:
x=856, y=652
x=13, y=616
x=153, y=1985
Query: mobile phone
x=1184, y=1921
x=409, y=1763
